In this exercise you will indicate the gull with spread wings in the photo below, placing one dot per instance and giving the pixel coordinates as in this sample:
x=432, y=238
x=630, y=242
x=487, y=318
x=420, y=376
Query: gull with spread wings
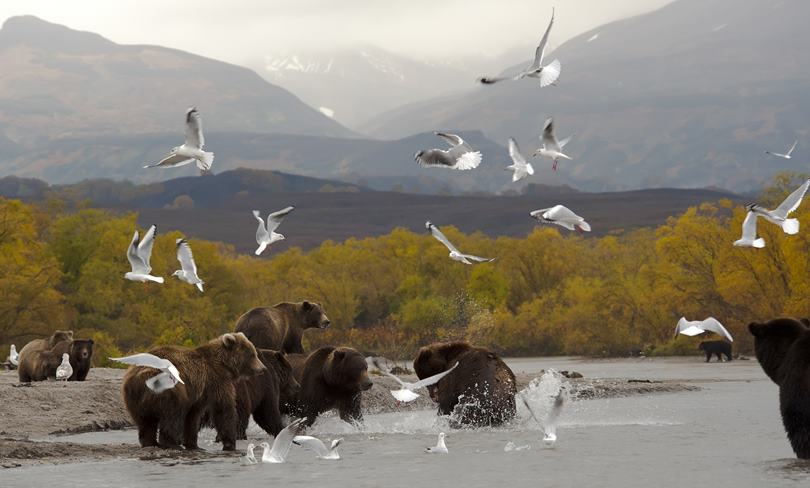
x=455, y=254
x=188, y=273
x=460, y=156
x=519, y=165
x=406, y=393
x=192, y=149
x=552, y=148
x=169, y=375
x=697, y=327
x=266, y=234
x=786, y=155
x=139, y=253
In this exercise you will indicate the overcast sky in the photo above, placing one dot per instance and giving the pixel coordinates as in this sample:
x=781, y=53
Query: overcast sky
x=242, y=30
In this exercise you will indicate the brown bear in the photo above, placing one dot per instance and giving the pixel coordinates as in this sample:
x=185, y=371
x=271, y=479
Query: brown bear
x=81, y=357
x=716, y=348
x=37, y=362
x=330, y=377
x=479, y=392
x=211, y=373
x=281, y=326
x=783, y=349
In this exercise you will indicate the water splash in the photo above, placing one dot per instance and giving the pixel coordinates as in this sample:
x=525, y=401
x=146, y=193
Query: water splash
x=510, y=446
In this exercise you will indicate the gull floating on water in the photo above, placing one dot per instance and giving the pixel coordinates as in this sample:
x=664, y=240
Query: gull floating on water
x=561, y=216
x=14, y=356
x=168, y=377
x=786, y=155
x=552, y=148
x=455, y=254
x=192, y=148
x=547, y=74
x=281, y=444
x=697, y=327
x=64, y=370
x=406, y=393
x=266, y=234
x=249, y=457
x=188, y=273
x=139, y=253
x=460, y=155
x=316, y=445
x=519, y=165
x=439, y=448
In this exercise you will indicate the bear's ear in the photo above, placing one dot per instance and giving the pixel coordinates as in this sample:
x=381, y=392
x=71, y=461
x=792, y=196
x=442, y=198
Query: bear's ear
x=307, y=306
x=805, y=321
x=338, y=355
x=90, y=341
x=228, y=340
x=755, y=328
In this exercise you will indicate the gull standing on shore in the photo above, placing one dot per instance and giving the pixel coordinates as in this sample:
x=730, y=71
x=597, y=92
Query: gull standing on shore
x=455, y=254
x=191, y=150
x=519, y=165
x=551, y=148
x=266, y=234
x=547, y=74
x=460, y=156
x=14, y=356
x=139, y=253
x=64, y=371
x=188, y=273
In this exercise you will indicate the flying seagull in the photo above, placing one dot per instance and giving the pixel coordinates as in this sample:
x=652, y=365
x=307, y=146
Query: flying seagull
x=64, y=370
x=267, y=235
x=547, y=74
x=697, y=327
x=281, y=444
x=14, y=356
x=139, y=254
x=561, y=216
x=455, y=254
x=316, y=445
x=787, y=155
x=550, y=424
x=192, y=149
x=188, y=273
x=439, y=448
x=168, y=377
x=552, y=148
x=460, y=155
x=249, y=457
x=749, y=233
x=406, y=393
x=519, y=165
x=779, y=215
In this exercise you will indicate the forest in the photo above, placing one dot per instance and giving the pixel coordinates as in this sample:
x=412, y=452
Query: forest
x=549, y=293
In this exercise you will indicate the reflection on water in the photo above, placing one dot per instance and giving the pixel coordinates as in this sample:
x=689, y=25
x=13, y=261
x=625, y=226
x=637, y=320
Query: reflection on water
x=728, y=434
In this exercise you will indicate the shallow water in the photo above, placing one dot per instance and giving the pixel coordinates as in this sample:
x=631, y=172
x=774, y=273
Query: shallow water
x=728, y=434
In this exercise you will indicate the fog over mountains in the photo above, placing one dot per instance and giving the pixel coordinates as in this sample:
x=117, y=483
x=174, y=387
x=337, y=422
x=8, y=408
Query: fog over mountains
x=665, y=99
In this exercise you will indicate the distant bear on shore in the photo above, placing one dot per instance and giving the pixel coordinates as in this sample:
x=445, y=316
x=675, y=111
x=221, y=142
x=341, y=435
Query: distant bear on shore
x=281, y=326
x=37, y=362
x=330, y=377
x=211, y=373
x=479, y=392
x=80, y=352
x=716, y=348
x=783, y=349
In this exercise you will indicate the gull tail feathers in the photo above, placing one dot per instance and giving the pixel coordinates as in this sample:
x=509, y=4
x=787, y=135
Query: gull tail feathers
x=156, y=279
x=200, y=286
x=790, y=226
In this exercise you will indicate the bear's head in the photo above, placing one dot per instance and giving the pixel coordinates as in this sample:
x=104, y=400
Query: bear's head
x=313, y=316
x=346, y=368
x=436, y=358
x=702, y=346
x=81, y=350
x=277, y=360
x=59, y=336
x=238, y=355
x=772, y=340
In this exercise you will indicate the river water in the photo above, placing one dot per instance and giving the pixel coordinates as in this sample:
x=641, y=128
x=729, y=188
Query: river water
x=727, y=434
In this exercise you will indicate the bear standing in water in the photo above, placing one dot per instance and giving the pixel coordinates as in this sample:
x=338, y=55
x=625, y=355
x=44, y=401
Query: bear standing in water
x=211, y=373
x=330, y=377
x=716, y=348
x=783, y=349
x=480, y=391
x=281, y=326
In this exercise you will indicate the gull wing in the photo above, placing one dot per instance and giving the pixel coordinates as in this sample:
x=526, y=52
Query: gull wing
x=387, y=373
x=150, y=361
x=540, y=52
x=749, y=227
x=146, y=245
x=452, y=139
x=161, y=382
x=792, y=202
x=194, y=134
x=565, y=141
x=275, y=218
x=539, y=214
x=711, y=324
x=560, y=212
x=683, y=325
x=550, y=425
x=548, y=137
x=404, y=395
x=515, y=154
x=284, y=440
x=790, y=151
x=550, y=73
x=441, y=238
x=312, y=443
x=135, y=260
x=171, y=161
x=431, y=380
x=186, y=258
x=435, y=157
x=478, y=259
x=261, y=232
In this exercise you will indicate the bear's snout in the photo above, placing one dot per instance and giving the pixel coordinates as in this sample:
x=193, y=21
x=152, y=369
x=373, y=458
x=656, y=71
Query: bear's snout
x=257, y=367
x=366, y=384
x=325, y=322
x=293, y=387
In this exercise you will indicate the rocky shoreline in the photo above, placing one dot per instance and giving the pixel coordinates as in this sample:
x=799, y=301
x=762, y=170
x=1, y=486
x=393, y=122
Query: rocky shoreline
x=49, y=408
